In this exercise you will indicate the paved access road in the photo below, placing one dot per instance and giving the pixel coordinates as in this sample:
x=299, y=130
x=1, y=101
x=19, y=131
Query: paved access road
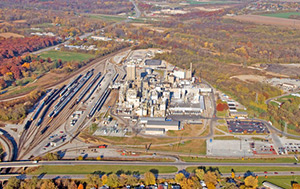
x=138, y=163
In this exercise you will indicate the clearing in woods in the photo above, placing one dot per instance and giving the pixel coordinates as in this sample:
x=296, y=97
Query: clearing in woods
x=267, y=20
x=9, y=34
x=66, y=56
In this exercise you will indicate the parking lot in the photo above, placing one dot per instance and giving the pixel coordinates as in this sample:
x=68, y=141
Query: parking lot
x=262, y=148
x=229, y=148
x=245, y=126
x=290, y=145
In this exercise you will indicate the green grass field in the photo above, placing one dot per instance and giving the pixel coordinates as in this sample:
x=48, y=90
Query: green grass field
x=243, y=169
x=222, y=127
x=66, y=56
x=22, y=90
x=253, y=160
x=89, y=169
x=222, y=113
x=282, y=181
x=107, y=17
x=282, y=14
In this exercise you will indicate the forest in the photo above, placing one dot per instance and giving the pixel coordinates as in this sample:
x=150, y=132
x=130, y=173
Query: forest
x=288, y=113
x=15, y=110
x=63, y=24
x=123, y=179
x=83, y=6
x=220, y=48
x=13, y=62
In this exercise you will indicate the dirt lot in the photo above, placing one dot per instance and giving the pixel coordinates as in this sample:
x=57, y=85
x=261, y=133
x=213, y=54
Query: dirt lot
x=267, y=20
x=8, y=35
x=247, y=78
x=149, y=26
x=286, y=69
x=3, y=22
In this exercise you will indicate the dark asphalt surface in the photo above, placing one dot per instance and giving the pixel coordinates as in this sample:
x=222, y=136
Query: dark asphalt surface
x=135, y=163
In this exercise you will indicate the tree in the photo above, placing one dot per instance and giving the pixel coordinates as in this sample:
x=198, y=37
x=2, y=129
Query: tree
x=230, y=186
x=149, y=178
x=186, y=183
x=93, y=180
x=48, y=184
x=51, y=156
x=2, y=84
x=179, y=177
x=251, y=182
x=72, y=185
x=210, y=177
x=210, y=185
x=104, y=179
x=131, y=180
x=80, y=186
x=199, y=174
x=33, y=182
x=13, y=183
x=113, y=181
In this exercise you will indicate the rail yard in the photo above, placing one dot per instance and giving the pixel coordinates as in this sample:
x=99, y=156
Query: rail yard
x=87, y=92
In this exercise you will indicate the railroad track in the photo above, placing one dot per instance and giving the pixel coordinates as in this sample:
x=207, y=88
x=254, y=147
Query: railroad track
x=31, y=137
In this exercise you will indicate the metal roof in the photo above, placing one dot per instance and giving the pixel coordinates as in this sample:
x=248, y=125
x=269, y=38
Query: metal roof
x=165, y=123
x=155, y=129
x=151, y=62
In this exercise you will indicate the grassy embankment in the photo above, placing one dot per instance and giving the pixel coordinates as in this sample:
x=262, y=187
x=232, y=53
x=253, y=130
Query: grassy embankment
x=104, y=169
x=29, y=84
x=244, y=169
x=252, y=160
x=282, y=181
x=66, y=56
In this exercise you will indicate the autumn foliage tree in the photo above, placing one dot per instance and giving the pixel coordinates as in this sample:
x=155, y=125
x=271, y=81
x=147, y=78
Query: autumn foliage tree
x=222, y=106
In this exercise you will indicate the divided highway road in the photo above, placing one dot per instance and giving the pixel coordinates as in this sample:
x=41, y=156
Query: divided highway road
x=139, y=163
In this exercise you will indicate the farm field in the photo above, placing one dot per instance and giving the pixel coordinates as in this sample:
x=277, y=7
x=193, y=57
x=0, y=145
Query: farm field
x=282, y=14
x=284, y=22
x=66, y=56
x=111, y=18
x=9, y=34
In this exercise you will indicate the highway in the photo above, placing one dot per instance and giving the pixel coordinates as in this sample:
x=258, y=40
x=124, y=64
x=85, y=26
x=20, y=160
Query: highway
x=139, y=163
x=138, y=12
